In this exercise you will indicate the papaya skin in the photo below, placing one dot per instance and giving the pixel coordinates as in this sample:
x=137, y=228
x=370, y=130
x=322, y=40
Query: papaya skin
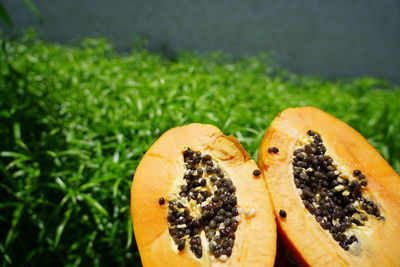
x=303, y=236
x=255, y=243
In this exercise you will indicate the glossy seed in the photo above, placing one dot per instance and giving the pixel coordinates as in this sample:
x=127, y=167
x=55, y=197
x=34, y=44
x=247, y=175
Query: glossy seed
x=213, y=224
x=206, y=157
x=181, y=245
x=273, y=150
x=310, y=149
x=282, y=213
x=256, y=173
x=161, y=201
x=310, y=132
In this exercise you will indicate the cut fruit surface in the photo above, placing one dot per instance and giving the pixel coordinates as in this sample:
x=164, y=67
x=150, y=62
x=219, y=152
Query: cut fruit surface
x=197, y=199
x=337, y=201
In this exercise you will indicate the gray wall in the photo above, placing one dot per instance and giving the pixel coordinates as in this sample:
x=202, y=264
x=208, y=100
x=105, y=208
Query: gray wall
x=332, y=38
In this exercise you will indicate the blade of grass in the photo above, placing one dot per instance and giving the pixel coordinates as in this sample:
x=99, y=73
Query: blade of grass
x=5, y=16
x=61, y=227
x=94, y=204
x=12, y=232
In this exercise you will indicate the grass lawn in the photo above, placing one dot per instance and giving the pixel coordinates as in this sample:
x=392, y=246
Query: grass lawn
x=75, y=121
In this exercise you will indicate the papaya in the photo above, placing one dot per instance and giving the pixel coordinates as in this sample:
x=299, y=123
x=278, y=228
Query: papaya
x=197, y=199
x=336, y=200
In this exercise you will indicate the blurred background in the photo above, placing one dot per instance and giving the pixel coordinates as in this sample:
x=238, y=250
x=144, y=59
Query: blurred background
x=86, y=87
x=332, y=39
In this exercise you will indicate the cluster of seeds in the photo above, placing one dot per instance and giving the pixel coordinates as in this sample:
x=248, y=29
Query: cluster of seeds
x=207, y=190
x=336, y=202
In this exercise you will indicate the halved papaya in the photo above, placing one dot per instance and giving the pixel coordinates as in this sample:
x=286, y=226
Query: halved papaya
x=197, y=199
x=337, y=201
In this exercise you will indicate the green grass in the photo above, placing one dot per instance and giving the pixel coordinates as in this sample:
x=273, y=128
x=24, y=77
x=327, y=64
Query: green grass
x=75, y=121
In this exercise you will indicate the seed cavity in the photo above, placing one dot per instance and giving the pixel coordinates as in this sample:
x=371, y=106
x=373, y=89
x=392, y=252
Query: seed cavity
x=206, y=201
x=334, y=199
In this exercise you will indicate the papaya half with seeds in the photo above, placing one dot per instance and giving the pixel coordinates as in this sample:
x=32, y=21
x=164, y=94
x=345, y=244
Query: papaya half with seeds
x=197, y=199
x=336, y=200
